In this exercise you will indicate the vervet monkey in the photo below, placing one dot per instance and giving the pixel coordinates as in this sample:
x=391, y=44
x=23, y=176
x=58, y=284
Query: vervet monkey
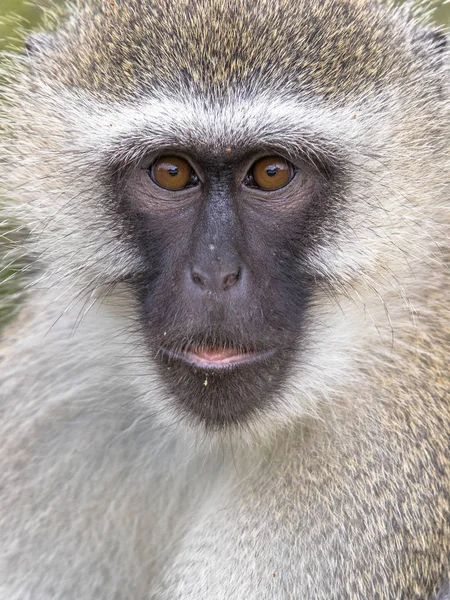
x=229, y=378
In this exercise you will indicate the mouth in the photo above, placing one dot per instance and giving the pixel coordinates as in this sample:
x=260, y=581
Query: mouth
x=221, y=383
x=217, y=358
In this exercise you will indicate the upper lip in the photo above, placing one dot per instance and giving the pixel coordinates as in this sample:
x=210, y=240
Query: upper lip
x=215, y=358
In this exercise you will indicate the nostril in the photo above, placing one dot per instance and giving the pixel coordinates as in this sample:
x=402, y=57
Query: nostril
x=198, y=279
x=231, y=279
x=219, y=280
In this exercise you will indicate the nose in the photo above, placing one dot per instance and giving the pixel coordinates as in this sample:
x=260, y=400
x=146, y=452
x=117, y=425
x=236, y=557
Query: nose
x=218, y=278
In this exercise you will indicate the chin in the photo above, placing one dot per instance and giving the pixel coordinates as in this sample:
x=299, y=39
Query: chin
x=222, y=387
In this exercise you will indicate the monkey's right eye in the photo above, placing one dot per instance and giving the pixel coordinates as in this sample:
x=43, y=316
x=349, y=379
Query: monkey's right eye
x=173, y=173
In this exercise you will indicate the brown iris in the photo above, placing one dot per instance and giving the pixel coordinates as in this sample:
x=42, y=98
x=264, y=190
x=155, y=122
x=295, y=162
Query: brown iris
x=272, y=172
x=172, y=173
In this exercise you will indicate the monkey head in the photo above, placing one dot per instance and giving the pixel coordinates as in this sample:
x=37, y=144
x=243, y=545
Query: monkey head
x=260, y=188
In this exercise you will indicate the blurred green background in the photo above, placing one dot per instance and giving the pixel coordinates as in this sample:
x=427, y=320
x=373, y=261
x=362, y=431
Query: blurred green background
x=21, y=13
x=16, y=17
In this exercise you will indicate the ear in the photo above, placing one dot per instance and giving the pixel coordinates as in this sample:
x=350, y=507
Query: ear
x=437, y=39
x=431, y=42
x=443, y=594
x=37, y=43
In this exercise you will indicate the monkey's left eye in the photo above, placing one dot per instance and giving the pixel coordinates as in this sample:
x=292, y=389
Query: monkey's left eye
x=270, y=173
x=173, y=173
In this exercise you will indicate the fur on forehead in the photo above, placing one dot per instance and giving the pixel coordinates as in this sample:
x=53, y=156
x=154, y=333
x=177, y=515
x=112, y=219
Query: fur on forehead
x=127, y=132
x=334, y=48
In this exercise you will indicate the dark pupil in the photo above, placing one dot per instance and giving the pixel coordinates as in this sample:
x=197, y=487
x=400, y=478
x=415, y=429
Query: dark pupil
x=271, y=171
x=173, y=171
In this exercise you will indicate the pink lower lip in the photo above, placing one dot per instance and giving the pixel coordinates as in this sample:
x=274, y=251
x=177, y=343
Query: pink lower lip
x=215, y=358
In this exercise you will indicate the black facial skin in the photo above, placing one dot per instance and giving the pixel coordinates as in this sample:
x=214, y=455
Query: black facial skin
x=226, y=269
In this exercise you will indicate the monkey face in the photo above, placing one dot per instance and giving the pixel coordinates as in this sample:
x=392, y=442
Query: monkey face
x=224, y=236
x=254, y=299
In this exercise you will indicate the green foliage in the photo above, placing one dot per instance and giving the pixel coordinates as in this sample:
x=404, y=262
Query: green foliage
x=15, y=17
x=443, y=14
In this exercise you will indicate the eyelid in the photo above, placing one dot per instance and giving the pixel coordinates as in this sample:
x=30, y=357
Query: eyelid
x=152, y=158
